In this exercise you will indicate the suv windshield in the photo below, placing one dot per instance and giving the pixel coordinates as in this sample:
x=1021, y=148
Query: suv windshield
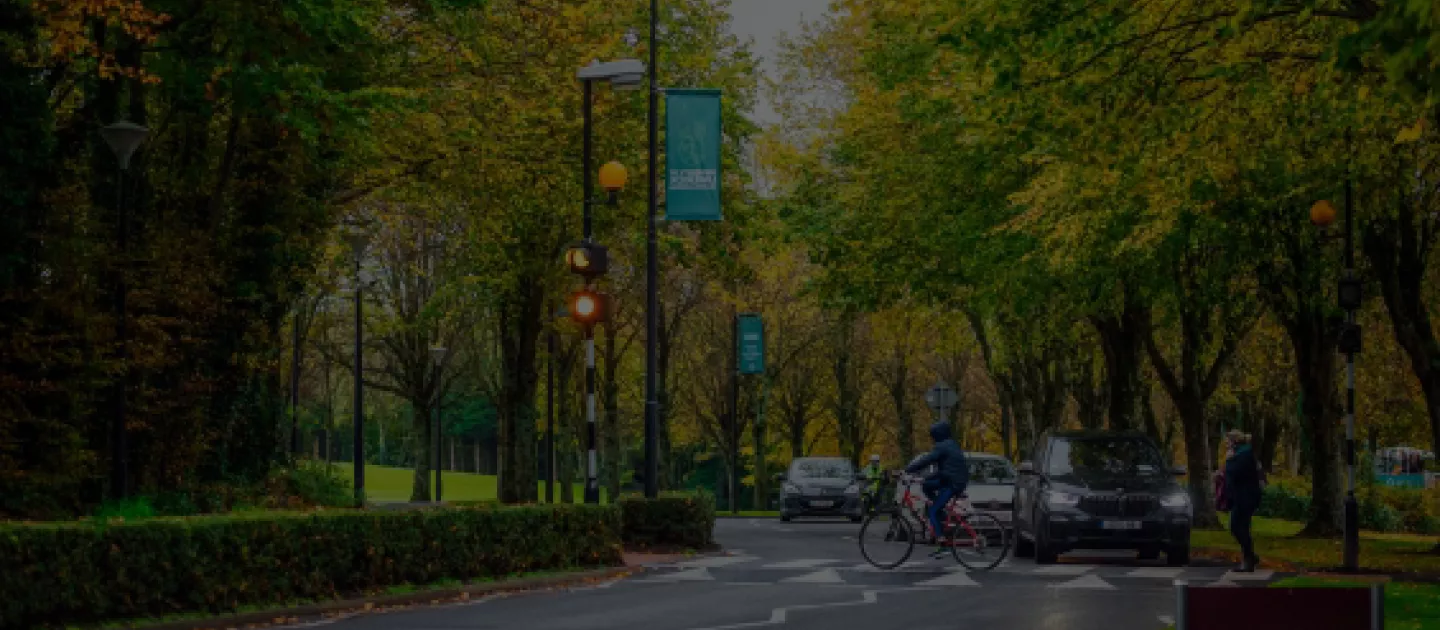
x=1104, y=456
x=990, y=471
x=821, y=469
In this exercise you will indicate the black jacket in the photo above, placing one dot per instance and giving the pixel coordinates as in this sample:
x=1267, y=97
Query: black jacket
x=949, y=457
x=1242, y=480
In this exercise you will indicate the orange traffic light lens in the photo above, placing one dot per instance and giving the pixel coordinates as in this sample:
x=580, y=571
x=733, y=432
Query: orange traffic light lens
x=578, y=259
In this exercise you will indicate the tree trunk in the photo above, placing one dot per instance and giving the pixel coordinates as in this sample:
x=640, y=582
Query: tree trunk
x=905, y=422
x=1315, y=368
x=520, y=327
x=422, y=424
x=1121, y=338
x=1197, y=460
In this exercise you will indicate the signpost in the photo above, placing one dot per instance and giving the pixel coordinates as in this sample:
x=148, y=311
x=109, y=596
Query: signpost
x=750, y=335
x=941, y=398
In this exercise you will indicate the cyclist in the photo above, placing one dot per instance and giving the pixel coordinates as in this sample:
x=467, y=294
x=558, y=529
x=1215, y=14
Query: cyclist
x=873, y=475
x=949, y=480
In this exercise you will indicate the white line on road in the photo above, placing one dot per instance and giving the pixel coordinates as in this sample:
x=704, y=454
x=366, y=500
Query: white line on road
x=801, y=564
x=1086, y=581
x=780, y=615
x=1168, y=573
x=1167, y=620
x=823, y=576
x=717, y=561
x=1062, y=569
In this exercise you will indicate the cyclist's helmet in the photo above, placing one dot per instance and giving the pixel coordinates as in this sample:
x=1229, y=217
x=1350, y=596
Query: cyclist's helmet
x=874, y=459
x=940, y=431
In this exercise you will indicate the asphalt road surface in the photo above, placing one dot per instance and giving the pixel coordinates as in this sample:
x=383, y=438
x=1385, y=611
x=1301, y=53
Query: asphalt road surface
x=810, y=576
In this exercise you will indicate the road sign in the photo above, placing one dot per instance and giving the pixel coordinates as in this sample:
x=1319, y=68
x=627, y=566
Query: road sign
x=941, y=398
x=750, y=335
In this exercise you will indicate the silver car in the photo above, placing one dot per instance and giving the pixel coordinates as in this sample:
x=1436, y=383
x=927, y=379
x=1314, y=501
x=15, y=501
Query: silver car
x=992, y=485
x=820, y=486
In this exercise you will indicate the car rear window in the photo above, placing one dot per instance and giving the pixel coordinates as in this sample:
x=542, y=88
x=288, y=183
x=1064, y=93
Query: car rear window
x=1115, y=456
x=821, y=469
x=990, y=471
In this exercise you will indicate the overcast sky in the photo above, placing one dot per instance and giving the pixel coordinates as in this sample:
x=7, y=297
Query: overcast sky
x=765, y=20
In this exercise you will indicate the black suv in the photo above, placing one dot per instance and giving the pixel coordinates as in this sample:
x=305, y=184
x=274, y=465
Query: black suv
x=1100, y=490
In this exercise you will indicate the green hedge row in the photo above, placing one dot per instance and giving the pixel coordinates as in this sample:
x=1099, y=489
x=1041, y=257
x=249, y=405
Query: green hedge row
x=68, y=573
x=673, y=520
x=1382, y=509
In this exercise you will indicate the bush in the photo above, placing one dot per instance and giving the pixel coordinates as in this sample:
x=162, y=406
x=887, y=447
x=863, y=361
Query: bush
x=1382, y=508
x=73, y=573
x=313, y=483
x=672, y=520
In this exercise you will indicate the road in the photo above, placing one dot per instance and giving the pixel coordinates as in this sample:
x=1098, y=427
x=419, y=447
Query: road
x=810, y=576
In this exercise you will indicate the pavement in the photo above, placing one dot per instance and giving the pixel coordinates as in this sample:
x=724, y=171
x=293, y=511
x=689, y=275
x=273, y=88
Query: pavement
x=810, y=576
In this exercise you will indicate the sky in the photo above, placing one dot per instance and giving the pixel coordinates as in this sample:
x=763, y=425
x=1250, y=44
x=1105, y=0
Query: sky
x=764, y=21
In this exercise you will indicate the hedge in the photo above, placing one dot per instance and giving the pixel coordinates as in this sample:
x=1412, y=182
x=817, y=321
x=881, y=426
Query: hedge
x=68, y=573
x=1382, y=509
x=672, y=520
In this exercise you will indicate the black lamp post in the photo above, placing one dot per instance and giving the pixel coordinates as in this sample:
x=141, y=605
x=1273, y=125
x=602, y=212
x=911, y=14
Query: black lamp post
x=652, y=271
x=358, y=242
x=123, y=138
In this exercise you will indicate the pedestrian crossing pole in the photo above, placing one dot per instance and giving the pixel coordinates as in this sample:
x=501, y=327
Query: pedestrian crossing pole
x=592, y=480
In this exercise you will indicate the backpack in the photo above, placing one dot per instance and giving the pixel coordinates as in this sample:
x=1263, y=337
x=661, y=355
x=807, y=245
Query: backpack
x=1222, y=500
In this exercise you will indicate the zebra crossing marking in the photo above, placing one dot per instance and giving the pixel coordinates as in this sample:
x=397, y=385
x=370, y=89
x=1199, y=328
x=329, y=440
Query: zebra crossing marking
x=809, y=563
x=1063, y=569
x=1090, y=581
x=823, y=576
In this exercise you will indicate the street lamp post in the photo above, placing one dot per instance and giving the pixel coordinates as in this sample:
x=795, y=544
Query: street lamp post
x=652, y=271
x=624, y=74
x=123, y=138
x=1349, y=342
x=438, y=354
x=358, y=243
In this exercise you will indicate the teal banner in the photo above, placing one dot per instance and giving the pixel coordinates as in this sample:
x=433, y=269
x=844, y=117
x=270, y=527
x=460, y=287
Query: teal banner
x=692, y=155
x=750, y=334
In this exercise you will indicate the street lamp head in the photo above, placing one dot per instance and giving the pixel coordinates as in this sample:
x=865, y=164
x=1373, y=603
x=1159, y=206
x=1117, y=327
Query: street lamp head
x=623, y=74
x=613, y=176
x=1322, y=214
x=438, y=354
x=124, y=137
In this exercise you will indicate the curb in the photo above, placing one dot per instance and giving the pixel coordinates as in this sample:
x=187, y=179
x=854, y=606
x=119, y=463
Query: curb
x=287, y=615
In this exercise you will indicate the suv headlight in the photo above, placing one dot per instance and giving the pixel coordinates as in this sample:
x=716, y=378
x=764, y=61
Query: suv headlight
x=792, y=488
x=1176, y=500
x=1061, y=499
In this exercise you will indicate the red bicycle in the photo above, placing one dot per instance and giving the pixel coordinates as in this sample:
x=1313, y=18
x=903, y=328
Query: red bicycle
x=977, y=540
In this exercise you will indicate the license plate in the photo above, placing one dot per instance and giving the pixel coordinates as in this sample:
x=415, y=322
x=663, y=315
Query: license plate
x=1120, y=525
x=821, y=503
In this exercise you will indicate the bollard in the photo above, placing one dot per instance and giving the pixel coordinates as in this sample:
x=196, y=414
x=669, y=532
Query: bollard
x=1182, y=604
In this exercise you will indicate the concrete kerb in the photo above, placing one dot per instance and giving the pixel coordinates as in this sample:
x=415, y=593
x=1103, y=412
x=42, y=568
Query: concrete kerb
x=279, y=616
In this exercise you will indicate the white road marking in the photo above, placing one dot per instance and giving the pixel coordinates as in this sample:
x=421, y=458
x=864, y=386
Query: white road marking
x=717, y=561
x=950, y=579
x=1256, y=576
x=779, y=616
x=823, y=576
x=691, y=575
x=1062, y=569
x=1091, y=581
x=1166, y=620
x=1168, y=573
x=801, y=564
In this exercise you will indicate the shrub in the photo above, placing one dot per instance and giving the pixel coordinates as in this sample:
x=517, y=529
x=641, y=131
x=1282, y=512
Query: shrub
x=73, y=573
x=683, y=520
x=313, y=483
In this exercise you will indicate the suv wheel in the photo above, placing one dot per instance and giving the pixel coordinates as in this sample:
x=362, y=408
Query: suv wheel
x=1044, y=552
x=1149, y=553
x=1023, y=548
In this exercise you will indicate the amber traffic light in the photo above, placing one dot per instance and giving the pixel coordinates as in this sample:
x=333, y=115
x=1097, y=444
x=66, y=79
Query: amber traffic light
x=589, y=307
x=588, y=259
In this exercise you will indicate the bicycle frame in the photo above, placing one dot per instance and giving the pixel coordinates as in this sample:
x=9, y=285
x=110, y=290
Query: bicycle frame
x=954, y=516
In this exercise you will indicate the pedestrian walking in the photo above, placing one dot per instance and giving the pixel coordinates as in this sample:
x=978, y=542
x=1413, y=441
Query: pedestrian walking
x=1242, y=488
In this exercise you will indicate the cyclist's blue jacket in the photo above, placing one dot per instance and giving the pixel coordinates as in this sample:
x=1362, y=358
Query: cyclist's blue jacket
x=948, y=456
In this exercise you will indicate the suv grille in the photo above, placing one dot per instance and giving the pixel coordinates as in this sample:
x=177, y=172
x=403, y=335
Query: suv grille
x=1135, y=505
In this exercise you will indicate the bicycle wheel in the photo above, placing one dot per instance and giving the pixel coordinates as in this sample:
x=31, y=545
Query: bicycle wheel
x=979, y=542
x=886, y=539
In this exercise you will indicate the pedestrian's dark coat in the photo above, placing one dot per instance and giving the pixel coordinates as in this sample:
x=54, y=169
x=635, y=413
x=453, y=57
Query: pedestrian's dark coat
x=1242, y=479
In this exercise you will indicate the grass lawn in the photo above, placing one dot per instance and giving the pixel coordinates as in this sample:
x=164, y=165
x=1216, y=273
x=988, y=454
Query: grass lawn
x=386, y=484
x=1408, y=606
x=1275, y=540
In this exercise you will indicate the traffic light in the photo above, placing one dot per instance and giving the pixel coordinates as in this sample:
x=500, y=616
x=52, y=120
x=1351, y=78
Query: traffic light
x=589, y=307
x=588, y=259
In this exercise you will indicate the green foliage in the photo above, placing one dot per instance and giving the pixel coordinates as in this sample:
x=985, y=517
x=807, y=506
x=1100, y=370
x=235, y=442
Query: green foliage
x=1382, y=509
x=60, y=574
x=672, y=520
x=317, y=484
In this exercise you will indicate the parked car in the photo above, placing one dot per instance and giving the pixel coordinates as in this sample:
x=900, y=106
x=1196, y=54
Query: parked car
x=820, y=486
x=1100, y=490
